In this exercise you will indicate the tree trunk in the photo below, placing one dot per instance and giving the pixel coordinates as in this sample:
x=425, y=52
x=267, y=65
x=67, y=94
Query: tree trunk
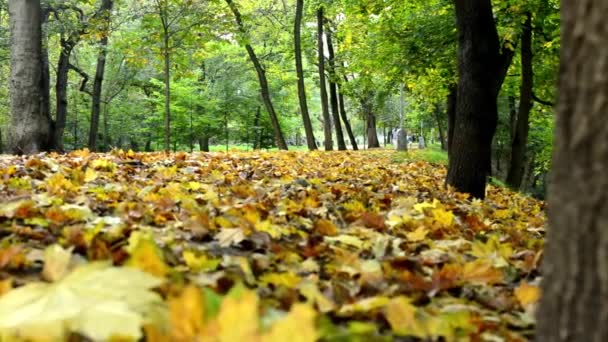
x=372, y=132
x=328, y=143
x=45, y=101
x=30, y=129
x=451, y=114
x=512, y=117
x=482, y=69
x=440, y=128
x=574, y=305
x=310, y=137
x=257, y=131
x=520, y=140
x=203, y=143
x=61, y=91
x=264, y=89
x=106, y=8
x=333, y=92
x=167, y=75
x=349, y=130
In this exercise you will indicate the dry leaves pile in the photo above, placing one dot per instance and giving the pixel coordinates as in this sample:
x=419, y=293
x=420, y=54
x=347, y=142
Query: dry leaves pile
x=341, y=246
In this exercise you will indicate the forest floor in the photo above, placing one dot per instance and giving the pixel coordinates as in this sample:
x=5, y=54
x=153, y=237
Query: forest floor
x=261, y=246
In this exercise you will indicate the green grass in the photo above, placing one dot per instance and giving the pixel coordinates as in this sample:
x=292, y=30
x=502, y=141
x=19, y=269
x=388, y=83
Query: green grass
x=247, y=148
x=432, y=154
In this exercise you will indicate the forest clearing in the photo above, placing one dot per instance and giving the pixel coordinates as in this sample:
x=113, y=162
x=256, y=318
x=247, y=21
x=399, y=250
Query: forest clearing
x=342, y=246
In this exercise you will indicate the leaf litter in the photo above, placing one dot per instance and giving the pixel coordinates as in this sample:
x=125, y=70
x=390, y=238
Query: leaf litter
x=342, y=246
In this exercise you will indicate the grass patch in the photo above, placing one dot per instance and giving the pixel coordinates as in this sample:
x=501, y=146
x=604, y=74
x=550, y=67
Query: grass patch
x=433, y=154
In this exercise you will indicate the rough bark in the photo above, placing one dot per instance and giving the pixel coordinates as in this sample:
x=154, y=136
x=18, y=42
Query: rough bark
x=481, y=69
x=261, y=72
x=574, y=306
x=349, y=130
x=333, y=92
x=30, y=128
x=105, y=10
x=372, y=131
x=310, y=137
x=328, y=143
x=520, y=138
x=45, y=101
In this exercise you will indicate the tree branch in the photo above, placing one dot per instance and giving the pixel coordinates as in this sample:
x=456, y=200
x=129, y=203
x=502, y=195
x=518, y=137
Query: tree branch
x=541, y=101
x=85, y=79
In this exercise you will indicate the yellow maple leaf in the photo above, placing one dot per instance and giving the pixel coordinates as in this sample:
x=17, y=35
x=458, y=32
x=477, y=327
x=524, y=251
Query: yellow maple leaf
x=238, y=317
x=444, y=217
x=200, y=262
x=90, y=175
x=186, y=315
x=481, y=272
x=527, y=294
x=495, y=251
x=311, y=291
x=146, y=255
x=297, y=326
x=364, y=305
x=418, y=235
x=401, y=315
x=287, y=279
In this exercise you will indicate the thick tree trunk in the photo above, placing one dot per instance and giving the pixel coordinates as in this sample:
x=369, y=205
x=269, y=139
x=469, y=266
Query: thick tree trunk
x=333, y=92
x=520, y=139
x=264, y=89
x=372, y=131
x=574, y=305
x=106, y=8
x=349, y=130
x=45, y=101
x=310, y=137
x=203, y=143
x=482, y=69
x=30, y=128
x=328, y=142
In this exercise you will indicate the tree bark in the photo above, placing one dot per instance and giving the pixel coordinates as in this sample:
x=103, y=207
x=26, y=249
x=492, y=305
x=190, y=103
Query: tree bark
x=333, y=92
x=167, y=75
x=451, y=114
x=349, y=130
x=105, y=9
x=30, y=129
x=328, y=143
x=372, y=131
x=61, y=91
x=310, y=137
x=45, y=101
x=203, y=143
x=264, y=89
x=482, y=69
x=520, y=139
x=440, y=128
x=257, y=136
x=574, y=305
